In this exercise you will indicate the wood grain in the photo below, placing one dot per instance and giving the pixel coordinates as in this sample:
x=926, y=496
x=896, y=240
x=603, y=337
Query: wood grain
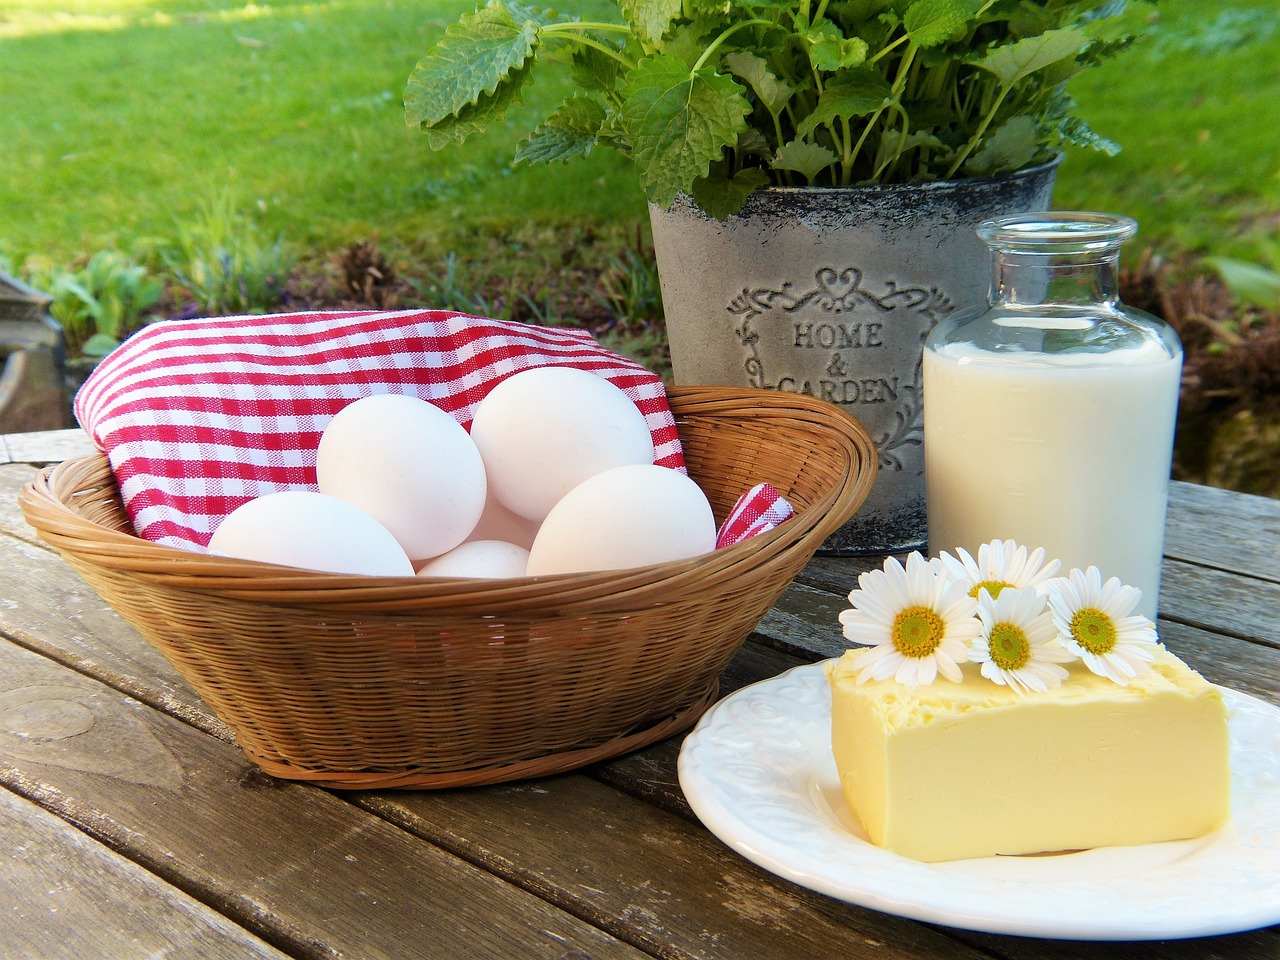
x=47, y=446
x=648, y=876
x=298, y=867
x=67, y=897
x=1224, y=529
x=97, y=729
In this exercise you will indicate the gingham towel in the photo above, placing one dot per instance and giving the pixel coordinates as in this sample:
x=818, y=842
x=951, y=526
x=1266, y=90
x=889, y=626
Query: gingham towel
x=757, y=511
x=198, y=416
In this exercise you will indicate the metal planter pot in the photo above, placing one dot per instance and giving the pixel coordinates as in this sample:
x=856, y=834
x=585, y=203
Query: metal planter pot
x=831, y=292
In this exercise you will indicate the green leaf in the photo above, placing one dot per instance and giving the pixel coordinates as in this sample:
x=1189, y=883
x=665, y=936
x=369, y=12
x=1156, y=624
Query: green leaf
x=1013, y=146
x=720, y=197
x=650, y=19
x=480, y=53
x=859, y=96
x=679, y=122
x=593, y=69
x=1016, y=61
x=99, y=345
x=1251, y=283
x=1075, y=131
x=773, y=93
x=572, y=131
x=753, y=143
x=475, y=118
x=932, y=22
x=804, y=158
x=837, y=53
x=894, y=145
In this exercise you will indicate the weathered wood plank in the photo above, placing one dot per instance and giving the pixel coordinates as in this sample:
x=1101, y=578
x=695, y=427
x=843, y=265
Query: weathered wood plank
x=67, y=897
x=511, y=832
x=1263, y=943
x=98, y=649
x=1222, y=602
x=47, y=446
x=12, y=479
x=642, y=874
x=1224, y=529
x=650, y=774
x=1249, y=668
x=298, y=867
x=46, y=607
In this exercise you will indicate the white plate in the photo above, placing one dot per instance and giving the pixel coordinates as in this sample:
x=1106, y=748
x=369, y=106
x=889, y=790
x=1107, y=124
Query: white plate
x=758, y=771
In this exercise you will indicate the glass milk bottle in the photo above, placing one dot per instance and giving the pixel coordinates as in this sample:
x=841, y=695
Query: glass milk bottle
x=1049, y=418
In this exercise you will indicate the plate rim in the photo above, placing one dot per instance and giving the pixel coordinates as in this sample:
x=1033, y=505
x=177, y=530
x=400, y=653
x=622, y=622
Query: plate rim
x=709, y=810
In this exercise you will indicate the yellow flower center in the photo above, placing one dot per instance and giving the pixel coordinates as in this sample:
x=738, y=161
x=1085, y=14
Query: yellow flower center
x=1093, y=630
x=992, y=587
x=918, y=631
x=1010, y=649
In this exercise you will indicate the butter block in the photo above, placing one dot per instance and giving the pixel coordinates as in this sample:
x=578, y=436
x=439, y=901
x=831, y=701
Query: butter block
x=958, y=770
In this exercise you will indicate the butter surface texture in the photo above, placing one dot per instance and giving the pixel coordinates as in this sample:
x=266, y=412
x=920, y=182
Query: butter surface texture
x=958, y=770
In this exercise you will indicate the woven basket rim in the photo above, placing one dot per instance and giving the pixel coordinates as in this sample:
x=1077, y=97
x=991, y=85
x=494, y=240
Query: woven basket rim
x=44, y=503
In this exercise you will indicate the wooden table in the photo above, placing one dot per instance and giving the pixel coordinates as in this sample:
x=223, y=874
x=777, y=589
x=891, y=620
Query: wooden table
x=133, y=827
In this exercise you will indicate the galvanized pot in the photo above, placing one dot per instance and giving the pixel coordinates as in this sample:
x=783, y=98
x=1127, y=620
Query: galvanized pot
x=831, y=292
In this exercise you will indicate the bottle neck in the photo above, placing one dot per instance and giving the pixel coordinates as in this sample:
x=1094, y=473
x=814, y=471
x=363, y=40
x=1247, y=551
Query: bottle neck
x=1089, y=278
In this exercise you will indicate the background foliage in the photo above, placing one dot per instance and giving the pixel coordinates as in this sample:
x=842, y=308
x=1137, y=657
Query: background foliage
x=253, y=156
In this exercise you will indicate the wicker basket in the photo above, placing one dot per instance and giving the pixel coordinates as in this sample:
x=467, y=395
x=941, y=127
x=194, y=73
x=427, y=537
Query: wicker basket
x=361, y=682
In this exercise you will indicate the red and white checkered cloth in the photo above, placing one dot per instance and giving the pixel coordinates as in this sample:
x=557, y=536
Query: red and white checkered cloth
x=198, y=416
x=757, y=511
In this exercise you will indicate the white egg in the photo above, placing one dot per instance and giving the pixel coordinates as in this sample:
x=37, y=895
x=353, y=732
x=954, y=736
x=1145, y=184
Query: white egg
x=299, y=528
x=499, y=523
x=488, y=559
x=409, y=465
x=543, y=431
x=625, y=517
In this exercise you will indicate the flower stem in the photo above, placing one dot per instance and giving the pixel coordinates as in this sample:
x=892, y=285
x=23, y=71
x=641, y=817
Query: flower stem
x=575, y=31
x=706, y=54
x=969, y=147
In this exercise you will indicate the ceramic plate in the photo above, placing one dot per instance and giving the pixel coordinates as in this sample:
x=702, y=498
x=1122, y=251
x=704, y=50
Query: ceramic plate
x=758, y=772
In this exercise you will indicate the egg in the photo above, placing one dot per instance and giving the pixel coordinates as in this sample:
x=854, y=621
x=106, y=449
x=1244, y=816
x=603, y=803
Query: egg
x=409, y=465
x=625, y=517
x=499, y=523
x=301, y=528
x=486, y=559
x=543, y=431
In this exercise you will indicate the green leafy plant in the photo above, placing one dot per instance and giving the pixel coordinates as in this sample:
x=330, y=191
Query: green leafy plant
x=223, y=262
x=1253, y=282
x=719, y=97
x=101, y=303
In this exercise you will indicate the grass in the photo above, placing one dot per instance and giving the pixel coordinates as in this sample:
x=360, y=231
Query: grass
x=123, y=116
x=1195, y=110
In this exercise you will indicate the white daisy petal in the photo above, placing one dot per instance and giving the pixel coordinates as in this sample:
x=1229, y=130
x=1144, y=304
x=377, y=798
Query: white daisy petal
x=948, y=668
x=1095, y=622
x=1025, y=657
x=887, y=665
x=916, y=620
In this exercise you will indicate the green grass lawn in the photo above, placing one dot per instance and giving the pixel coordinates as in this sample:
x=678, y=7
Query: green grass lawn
x=1196, y=108
x=123, y=116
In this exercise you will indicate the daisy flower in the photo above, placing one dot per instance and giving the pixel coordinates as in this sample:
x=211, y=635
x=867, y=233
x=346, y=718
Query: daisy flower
x=1095, y=623
x=1018, y=644
x=918, y=623
x=1000, y=564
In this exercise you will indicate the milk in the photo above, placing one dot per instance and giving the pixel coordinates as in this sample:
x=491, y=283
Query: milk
x=1068, y=452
